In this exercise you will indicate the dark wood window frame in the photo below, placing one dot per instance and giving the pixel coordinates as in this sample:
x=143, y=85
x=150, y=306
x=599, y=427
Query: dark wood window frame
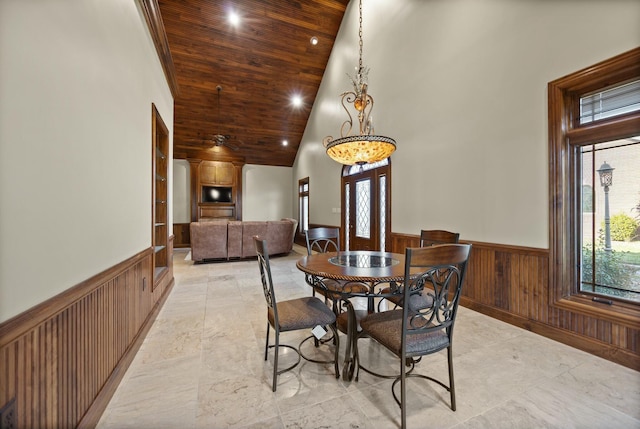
x=302, y=194
x=565, y=135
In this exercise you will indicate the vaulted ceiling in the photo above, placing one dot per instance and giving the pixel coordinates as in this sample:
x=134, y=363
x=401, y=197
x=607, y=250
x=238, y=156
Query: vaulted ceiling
x=260, y=64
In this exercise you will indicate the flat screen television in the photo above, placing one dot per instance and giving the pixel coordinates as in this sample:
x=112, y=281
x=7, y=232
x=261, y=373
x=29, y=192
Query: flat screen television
x=216, y=194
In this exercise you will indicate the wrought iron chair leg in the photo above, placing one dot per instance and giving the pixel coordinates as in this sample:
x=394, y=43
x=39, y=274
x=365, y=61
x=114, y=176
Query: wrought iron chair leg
x=266, y=346
x=356, y=356
x=337, y=350
x=452, y=389
x=403, y=394
x=275, y=361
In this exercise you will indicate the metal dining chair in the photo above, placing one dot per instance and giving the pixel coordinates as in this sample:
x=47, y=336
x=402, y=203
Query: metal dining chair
x=291, y=315
x=324, y=240
x=428, y=237
x=411, y=333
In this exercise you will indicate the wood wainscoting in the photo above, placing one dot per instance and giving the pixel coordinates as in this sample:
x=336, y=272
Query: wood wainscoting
x=61, y=361
x=182, y=235
x=511, y=283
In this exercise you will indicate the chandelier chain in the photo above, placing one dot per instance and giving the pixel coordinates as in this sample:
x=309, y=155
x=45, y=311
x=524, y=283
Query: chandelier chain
x=360, y=38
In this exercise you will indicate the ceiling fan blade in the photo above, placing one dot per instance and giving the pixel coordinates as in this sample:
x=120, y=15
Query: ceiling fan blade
x=231, y=145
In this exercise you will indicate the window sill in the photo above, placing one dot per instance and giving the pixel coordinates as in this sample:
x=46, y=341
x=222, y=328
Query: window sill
x=621, y=313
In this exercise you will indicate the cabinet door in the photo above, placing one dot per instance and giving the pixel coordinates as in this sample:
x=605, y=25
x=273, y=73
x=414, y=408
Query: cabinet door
x=225, y=174
x=217, y=173
x=208, y=172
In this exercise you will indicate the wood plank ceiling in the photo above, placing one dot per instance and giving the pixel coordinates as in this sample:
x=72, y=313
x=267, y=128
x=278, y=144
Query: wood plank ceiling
x=260, y=64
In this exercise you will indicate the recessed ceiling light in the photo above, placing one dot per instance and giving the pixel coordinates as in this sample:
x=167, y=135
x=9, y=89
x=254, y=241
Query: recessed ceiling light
x=234, y=18
x=285, y=143
x=296, y=100
x=314, y=40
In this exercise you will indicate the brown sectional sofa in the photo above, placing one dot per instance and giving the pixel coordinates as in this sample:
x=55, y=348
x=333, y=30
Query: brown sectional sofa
x=222, y=239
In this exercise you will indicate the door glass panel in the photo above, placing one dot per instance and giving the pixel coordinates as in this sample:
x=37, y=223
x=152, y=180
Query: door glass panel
x=304, y=213
x=383, y=205
x=347, y=200
x=363, y=208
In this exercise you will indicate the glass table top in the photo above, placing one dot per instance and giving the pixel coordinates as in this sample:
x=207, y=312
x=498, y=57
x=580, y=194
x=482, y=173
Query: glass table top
x=363, y=260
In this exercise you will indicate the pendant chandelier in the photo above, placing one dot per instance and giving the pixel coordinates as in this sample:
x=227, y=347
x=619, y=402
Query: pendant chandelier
x=364, y=147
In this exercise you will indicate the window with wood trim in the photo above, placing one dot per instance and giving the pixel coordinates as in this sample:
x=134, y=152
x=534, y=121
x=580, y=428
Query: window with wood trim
x=594, y=123
x=303, y=204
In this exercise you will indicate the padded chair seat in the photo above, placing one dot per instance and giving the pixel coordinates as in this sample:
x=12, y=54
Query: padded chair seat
x=335, y=288
x=386, y=328
x=416, y=302
x=302, y=313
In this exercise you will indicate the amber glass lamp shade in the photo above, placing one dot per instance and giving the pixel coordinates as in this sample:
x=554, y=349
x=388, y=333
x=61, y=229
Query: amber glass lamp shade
x=360, y=149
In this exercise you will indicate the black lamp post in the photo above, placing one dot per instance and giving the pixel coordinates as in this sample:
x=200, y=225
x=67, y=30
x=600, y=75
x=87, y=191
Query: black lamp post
x=606, y=180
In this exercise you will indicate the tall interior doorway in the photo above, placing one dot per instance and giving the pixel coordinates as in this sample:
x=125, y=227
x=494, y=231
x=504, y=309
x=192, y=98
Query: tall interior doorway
x=366, y=201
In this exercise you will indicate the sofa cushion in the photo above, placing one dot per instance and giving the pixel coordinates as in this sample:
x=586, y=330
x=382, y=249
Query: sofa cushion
x=234, y=239
x=208, y=240
x=294, y=228
x=249, y=230
x=279, y=236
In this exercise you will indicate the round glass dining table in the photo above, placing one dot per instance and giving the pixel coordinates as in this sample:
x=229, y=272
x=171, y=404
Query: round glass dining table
x=358, y=273
x=366, y=266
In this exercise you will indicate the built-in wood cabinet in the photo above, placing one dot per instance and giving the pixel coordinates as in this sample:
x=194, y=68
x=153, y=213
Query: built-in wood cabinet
x=160, y=234
x=217, y=211
x=181, y=235
x=218, y=190
x=217, y=173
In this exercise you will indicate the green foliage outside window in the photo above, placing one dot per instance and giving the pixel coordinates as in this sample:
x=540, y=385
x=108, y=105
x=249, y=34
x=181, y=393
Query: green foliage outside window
x=623, y=227
x=611, y=271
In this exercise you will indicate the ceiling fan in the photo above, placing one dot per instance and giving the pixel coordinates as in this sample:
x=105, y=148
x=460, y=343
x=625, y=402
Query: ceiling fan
x=217, y=140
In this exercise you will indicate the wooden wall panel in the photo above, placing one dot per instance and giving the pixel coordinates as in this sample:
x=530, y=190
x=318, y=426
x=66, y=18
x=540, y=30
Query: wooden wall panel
x=511, y=283
x=182, y=235
x=57, y=358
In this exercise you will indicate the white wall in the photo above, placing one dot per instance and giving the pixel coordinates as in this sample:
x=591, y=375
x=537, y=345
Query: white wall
x=181, y=191
x=266, y=192
x=461, y=86
x=77, y=80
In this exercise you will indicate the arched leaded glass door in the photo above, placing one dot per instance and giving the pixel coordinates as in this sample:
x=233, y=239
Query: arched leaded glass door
x=366, y=201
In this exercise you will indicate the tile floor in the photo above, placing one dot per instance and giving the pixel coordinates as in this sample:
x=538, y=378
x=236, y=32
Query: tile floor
x=201, y=366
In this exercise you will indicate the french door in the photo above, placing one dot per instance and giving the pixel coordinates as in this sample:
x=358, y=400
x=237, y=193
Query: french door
x=365, y=206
